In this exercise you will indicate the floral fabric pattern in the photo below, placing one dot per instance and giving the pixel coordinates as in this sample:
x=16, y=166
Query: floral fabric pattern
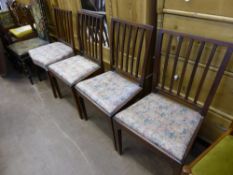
x=110, y=91
x=167, y=124
x=74, y=69
x=45, y=55
x=21, y=48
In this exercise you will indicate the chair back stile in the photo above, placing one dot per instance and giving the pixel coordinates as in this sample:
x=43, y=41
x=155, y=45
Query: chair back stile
x=184, y=84
x=13, y=8
x=64, y=26
x=90, y=35
x=129, y=49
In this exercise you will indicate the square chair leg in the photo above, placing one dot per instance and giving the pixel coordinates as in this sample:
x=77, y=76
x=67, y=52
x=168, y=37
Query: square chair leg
x=77, y=101
x=52, y=85
x=57, y=87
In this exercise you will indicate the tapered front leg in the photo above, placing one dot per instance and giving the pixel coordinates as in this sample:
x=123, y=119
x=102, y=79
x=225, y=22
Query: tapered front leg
x=113, y=132
x=52, y=85
x=83, y=107
x=177, y=169
x=78, y=104
x=57, y=87
x=119, y=140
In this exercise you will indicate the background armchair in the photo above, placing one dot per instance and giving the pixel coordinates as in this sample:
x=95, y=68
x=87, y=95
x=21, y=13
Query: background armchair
x=216, y=160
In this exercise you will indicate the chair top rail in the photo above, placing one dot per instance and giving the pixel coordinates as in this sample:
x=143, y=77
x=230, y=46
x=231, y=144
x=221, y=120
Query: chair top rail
x=196, y=37
x=143, y=26
x=91, y=13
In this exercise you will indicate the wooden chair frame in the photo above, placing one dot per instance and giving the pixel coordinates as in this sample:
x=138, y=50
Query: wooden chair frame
x=159, y=87
x=90, y=47
x=22, y=61
x=14, y=8
x=64, y=26
x=64, y=34
x=117, y=67
x=187, y=170
x=21, y=16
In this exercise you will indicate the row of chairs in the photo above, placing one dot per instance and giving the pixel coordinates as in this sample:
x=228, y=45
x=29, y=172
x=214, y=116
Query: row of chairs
x=168, y=118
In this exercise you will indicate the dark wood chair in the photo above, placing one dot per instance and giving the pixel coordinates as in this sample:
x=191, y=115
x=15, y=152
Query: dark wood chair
x=18, y=50
x=23, y=21
x=90, y=62
x=61, y=49
x=13, y=9
x=215, y=160
x=168, y=119
x=125, y=82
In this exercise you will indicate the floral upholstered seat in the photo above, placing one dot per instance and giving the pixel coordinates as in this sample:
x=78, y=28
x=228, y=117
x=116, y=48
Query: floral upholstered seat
x=49, y=54
x=74, y=69
x=109, y=91
x=165, y=123
x=21, y=48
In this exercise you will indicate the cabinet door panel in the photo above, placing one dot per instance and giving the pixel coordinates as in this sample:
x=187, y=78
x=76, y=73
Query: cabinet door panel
x=206, y=28
x=213, y=127
x=215, y=7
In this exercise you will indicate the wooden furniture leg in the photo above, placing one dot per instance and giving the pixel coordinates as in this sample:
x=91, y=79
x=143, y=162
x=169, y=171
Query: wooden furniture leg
x=57, y=87
x=83, y=107
x=77, y=101
x=52, y=85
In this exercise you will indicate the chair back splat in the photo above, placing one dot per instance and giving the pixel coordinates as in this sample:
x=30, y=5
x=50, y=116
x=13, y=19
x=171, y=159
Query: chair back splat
x=184, y=67
x=15, y=10
x=90, y=35
x=130, y=51
x=64, y=26
x=20, y=14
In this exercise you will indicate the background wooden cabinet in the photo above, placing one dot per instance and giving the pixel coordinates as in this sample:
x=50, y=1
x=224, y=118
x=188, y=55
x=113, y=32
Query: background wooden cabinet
x=215, y=7
x=212, y=19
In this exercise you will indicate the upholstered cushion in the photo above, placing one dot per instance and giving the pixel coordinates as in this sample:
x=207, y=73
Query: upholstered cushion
x=219, y=161
x=22, y=47
x=22, y=31
x=45, y=55
x=110, y=91
x=163, y=122
x=73, y=69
